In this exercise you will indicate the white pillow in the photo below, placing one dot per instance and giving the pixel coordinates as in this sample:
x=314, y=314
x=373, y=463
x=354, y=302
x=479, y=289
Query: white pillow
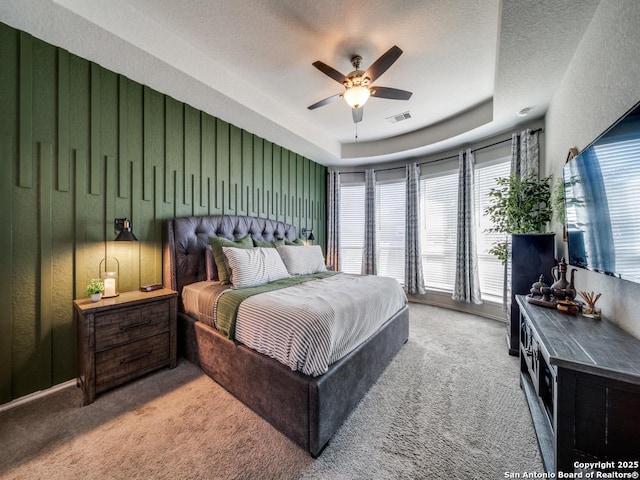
x=251, y=267
x=302, y=260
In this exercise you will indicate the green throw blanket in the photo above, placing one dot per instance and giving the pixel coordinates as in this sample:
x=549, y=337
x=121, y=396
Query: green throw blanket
x=230, y=300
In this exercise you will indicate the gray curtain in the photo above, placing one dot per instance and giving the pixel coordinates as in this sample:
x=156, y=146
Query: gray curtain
x=369, y=264
x=413, y=277
x=467, y=283
x=525, y=155
x=333, y=227
x=525, y=158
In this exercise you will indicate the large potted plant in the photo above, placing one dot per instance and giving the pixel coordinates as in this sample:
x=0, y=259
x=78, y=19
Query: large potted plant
x=518, y=205
x=520, y=209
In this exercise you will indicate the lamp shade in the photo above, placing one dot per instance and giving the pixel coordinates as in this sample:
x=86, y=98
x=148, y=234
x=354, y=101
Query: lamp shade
x=356, y=97
x=125, y=233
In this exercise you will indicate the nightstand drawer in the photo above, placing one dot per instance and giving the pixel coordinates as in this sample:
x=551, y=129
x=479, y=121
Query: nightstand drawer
x=129, y=324
x=119, y=364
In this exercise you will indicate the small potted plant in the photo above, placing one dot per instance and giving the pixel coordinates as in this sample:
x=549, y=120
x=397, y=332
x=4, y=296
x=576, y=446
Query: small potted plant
x=95, y=289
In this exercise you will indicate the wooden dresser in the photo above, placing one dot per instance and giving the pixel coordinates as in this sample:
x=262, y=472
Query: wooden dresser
x=124, y=337
x=581, y=378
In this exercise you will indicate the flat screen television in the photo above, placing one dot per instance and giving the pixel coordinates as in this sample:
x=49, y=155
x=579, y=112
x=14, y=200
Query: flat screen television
x=602, y=201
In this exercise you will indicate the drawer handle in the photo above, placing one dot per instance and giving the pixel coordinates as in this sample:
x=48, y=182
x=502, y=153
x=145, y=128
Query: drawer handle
x=126, y=326
x=137, y=357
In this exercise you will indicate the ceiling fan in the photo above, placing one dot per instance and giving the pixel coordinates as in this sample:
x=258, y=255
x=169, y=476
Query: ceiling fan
x=358, y=83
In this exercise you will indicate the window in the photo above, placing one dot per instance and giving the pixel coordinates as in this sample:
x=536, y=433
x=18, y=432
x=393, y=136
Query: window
x=490, y=269
x=351, y=220
x=439, y=212
x=390, y=228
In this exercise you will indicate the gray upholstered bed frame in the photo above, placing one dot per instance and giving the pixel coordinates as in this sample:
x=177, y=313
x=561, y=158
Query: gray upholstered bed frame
x=308, y=410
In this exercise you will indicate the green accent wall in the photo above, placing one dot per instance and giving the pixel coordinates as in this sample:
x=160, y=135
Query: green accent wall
x=80, y=146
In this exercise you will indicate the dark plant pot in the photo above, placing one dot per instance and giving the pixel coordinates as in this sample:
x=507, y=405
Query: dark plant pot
x=532, y=255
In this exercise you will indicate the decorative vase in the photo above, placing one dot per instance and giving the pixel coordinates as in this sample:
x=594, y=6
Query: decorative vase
x=95, y=297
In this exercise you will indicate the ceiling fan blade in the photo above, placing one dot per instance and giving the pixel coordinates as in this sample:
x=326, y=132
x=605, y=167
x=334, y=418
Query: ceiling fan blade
x=392, y=93
x=383, y=63
x=326, y=101
x=330, y=71
x=357, y=114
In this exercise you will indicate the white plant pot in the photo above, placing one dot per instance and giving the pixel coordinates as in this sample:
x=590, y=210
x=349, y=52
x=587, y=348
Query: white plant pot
x=95, y=297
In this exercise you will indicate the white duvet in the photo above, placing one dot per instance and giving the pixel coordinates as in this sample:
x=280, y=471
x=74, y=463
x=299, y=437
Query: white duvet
x=312, y=325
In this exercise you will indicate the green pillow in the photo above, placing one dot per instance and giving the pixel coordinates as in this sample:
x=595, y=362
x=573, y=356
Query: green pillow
x=216, y=245
x=262, y=243
x=297, y=242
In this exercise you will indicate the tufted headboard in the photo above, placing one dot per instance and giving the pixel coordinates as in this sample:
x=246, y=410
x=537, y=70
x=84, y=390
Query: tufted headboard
x=186, y=241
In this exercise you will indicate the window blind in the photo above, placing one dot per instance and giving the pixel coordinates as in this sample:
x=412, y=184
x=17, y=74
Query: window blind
x=490, y=270
x=351, y=238
x=390, y=228
x=439, y=210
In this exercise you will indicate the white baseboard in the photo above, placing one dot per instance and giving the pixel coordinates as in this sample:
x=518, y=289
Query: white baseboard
x=36, y=395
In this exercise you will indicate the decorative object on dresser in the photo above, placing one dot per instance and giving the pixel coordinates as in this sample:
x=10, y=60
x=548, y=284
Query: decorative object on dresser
x=590, y=310
x=583, y=395
x=124, y=337
x=95, y=289
x=560, y=294
x=110, y=276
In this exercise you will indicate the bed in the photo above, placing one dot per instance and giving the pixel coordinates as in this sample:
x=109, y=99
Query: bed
x=307, y=409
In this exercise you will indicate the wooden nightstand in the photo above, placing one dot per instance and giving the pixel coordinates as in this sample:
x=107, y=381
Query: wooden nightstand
x=124, y=337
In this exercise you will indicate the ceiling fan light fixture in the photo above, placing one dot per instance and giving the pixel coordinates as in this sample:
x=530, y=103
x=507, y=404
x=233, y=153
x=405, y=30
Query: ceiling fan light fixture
x=356, y=97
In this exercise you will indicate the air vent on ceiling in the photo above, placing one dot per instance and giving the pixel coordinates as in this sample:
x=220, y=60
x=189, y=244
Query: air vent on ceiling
x=399, y=117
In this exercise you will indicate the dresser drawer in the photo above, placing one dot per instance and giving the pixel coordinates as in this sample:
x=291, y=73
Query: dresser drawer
x=129, y=324
x=128, y=361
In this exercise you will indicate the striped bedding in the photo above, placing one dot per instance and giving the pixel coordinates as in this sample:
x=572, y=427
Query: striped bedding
x=308, y=326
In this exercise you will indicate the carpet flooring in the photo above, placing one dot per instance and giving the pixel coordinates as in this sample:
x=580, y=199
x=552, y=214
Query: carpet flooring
x=448, y=407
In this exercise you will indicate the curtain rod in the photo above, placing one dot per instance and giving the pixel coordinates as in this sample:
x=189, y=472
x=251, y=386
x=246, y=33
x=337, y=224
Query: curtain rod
x=450, y=157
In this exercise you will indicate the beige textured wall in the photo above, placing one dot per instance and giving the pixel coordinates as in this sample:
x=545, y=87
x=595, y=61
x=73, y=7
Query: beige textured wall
x=601, y=84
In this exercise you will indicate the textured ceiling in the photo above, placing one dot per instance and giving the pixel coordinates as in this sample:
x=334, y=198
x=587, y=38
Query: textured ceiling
x=471, y=64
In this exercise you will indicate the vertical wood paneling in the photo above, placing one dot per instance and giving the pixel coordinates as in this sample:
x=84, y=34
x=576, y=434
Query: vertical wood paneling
x=94, y=167
x=9, y=142
x=300, y=191
x=235, y=169
x=123, y=136
x=247, y=173
x=158, y=215
x=256, y=182
x=154, y=139
x=25, y=166
x=191, y=155
x=80, y=170
x=45, y=209
x=285, y=186
x=6, y=265
x=276, y=179
x=222, y=166
x=110, y=188
x=64, y=152
x=90, y=146
x=306, y=182
x=267, y=180
x=208, y=178
x=174, y=148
